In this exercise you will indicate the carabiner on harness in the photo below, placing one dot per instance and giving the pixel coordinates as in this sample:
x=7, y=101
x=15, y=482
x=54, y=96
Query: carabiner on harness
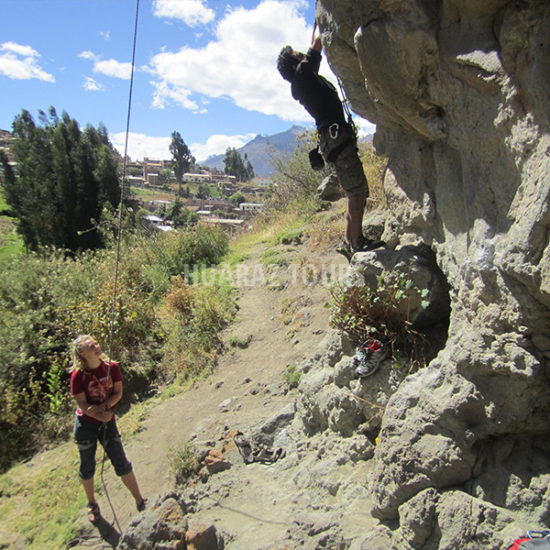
x=333, y=130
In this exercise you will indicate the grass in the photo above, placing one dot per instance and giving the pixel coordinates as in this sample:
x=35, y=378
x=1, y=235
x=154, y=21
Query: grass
x=42, y=501
x=152, y=194
x=275, y=256
x=183, y=463
x=239, y=342
x=43, y=504
x=11, y=244
x=292, y=376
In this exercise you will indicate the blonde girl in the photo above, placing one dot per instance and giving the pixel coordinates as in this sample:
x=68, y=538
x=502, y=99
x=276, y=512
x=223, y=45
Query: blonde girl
x=97, y=388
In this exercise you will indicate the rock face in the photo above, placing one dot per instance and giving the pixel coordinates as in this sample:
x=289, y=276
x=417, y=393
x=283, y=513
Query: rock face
x=459, y=92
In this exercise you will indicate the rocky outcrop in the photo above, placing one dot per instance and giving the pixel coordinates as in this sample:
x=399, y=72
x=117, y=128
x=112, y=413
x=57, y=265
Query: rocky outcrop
x=459, y=92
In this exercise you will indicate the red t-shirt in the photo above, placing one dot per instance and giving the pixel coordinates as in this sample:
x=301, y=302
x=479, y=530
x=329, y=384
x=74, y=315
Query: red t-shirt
x=95, y=385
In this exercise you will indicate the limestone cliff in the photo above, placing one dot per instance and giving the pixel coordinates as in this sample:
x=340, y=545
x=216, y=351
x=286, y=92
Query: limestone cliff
x=459, y=92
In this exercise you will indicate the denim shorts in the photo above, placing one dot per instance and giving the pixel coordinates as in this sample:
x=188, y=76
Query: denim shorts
x=87, y=434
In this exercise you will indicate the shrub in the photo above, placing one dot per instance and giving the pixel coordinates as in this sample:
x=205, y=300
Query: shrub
x=47, y=300
x=292, y=376
x=374, y=166
x=194, y=316
x=294, y=182
x=382, y=313
x=183, y=463
x=177, y=252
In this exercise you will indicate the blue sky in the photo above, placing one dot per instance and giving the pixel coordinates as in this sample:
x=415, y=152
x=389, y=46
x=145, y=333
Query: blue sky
x=205, y=68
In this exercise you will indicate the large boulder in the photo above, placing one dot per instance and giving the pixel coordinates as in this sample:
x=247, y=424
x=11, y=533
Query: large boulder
x=459, y=92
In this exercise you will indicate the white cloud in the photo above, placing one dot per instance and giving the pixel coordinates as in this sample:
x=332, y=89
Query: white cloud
x=19, y=49
x=88, y=55
x=116, y=69
x=106, y=35
x=91, y=85
x=20, y=62
x=364, y=127
x=218, y=144
x=239, y=64
x=164, y=92
x=108, y=67
x=142, y=145
x=193, y=12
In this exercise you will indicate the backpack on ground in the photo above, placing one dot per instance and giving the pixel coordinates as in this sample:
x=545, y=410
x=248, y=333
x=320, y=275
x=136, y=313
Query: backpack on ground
x=535, y=540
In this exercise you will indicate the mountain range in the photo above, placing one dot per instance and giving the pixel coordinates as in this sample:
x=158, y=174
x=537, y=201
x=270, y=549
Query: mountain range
x=259, y=150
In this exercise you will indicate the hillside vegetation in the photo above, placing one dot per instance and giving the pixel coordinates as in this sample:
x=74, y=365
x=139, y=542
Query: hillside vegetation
x=170, y=307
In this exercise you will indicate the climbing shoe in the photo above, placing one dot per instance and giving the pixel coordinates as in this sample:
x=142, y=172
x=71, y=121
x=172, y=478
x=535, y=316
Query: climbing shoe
x=141, y=505
x=345, y=249
x=364, y=245
x=368, y=357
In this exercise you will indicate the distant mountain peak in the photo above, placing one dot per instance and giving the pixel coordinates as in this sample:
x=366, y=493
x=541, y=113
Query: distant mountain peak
x=259, y=148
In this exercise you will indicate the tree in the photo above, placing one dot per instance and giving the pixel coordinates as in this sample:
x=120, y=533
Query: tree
x=180, y=215
x=235, y=166
x=248, y=168
x=63, y=179
x=181, y=155
x=237, y=199
x=293, y=178
x=202, y=191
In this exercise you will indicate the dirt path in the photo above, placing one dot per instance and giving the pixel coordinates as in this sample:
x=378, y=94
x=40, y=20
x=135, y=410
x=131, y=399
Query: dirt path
x=283, y=326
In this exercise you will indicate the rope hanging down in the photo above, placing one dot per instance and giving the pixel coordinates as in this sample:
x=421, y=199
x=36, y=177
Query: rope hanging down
x=118, y=242
x=84, y=538
x=122, y=188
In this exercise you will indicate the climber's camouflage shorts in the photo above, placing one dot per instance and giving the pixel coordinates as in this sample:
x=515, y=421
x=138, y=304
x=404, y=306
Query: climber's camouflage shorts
x=347, y=165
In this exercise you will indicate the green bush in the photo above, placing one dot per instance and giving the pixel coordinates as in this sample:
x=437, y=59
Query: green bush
x=178, y=252
x=47, y=299
x=183, y=463
x=194, y=318
x=383, y=313
x=292, y=376
x=294, y=182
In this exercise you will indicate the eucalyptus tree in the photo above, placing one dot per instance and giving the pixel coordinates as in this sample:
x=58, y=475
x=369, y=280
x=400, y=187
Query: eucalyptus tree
x=62, y=180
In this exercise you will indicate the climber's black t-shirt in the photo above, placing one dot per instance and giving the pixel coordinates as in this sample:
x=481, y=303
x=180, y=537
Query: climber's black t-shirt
x=316, y=93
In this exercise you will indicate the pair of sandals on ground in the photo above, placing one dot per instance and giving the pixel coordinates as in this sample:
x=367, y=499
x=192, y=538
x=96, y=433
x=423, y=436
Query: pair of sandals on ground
x=94, y=513
x=262, y=454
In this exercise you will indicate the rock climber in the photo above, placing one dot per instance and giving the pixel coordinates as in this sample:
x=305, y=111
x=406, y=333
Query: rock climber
x=337, y=140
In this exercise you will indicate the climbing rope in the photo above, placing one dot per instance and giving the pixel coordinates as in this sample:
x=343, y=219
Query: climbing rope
x=118, y=247
x=96, y=540
x=347, y=108
x=122, y=189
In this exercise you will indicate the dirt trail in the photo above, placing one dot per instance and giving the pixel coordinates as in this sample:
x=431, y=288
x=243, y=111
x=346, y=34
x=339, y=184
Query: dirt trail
x=284, y=325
